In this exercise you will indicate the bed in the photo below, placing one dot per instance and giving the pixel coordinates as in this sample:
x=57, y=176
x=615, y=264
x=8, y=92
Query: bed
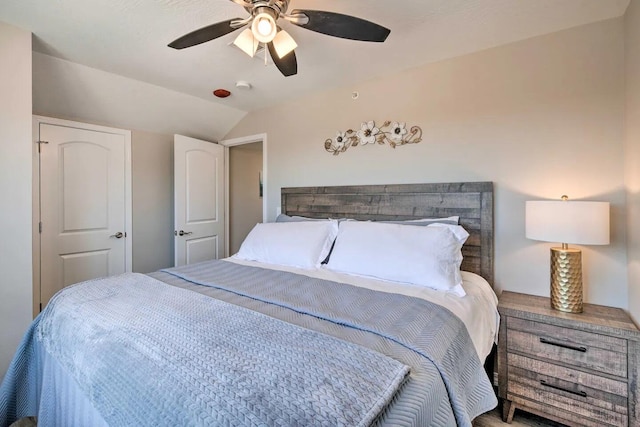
x=245, y=342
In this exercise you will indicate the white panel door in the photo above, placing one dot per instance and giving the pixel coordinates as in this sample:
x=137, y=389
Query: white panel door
x=82, y=206
x=199, y=200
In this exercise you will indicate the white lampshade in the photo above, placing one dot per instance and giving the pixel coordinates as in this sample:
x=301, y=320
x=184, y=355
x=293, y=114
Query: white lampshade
x=284, y=43
x=577, y=222
x=247, y=42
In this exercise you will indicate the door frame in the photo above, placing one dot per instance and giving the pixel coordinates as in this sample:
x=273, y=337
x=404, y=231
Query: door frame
x=37, y=120
x=228, y=143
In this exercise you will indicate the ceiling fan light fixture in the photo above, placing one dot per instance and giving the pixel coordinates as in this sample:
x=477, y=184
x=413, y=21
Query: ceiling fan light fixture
x=284, y=43
x=264, y=25
x=263, y=18
x=247, y=42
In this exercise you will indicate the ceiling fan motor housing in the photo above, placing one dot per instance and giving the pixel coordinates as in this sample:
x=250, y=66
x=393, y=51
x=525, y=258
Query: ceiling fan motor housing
x=278, y=6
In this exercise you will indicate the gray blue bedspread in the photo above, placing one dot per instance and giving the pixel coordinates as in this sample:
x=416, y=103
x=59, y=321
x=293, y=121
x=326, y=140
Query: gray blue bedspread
x=447, y=385
x=425, y=331
x=146, y=353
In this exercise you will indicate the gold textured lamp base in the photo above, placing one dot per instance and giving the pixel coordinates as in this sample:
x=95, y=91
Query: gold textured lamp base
x=566, y=280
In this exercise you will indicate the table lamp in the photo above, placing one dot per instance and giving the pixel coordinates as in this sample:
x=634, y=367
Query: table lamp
x=564, y=221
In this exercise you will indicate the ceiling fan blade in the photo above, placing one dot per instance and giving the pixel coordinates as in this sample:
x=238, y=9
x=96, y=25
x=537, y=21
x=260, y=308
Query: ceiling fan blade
x=339, y=25
x=288, y=64
x=205, y=34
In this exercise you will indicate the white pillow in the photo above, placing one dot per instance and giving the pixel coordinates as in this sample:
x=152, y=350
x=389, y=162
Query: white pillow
x=454, y=220
x=424, y=256
x=297, y=244
x=296, y=218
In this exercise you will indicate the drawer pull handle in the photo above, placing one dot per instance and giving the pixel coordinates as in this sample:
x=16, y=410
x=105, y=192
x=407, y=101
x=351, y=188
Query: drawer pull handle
x=579, y=393
x=563, y=345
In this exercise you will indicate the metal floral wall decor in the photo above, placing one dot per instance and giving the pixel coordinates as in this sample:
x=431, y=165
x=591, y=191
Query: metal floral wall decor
x=392, y=133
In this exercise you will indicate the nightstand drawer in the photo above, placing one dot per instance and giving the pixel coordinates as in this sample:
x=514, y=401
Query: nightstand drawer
x=578, y=348
x=568, y=392
x=579, y=369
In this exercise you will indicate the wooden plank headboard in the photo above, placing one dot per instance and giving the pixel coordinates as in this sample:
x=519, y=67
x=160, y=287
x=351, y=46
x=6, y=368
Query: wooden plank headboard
x=472, y=201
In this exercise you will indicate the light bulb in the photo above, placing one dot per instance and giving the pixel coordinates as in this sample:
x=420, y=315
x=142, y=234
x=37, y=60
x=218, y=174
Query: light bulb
x=264, y=27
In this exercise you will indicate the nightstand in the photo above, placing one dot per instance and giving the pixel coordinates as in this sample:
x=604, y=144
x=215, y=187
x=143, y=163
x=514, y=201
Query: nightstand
x=576, y=369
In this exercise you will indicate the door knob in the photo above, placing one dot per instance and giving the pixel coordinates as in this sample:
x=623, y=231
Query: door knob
x=118, y=235
x=184, y=233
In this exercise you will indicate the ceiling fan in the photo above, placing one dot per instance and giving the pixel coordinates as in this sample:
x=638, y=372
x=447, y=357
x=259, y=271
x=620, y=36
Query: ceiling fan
x=264, y=29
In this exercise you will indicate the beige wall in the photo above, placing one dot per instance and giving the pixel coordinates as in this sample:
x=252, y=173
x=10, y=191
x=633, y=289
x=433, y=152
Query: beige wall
x=15, y=189
x=245, y=203
x=540, y=118
x=632, y=152
x=152, y=182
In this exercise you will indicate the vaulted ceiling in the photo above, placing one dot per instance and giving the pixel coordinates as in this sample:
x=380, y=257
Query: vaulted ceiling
x=130, y=37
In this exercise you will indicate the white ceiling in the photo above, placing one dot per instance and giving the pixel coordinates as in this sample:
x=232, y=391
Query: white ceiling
x=130, y=37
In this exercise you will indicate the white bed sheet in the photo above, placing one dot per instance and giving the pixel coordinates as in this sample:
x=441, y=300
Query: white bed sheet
x=478, y=310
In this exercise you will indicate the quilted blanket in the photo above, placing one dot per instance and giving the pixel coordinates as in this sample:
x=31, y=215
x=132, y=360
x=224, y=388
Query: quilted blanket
x=146, y=353
x=446, y=385
x=427, y=332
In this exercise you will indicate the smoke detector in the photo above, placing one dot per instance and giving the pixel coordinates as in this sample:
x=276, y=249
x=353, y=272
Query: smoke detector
x=243, y=85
